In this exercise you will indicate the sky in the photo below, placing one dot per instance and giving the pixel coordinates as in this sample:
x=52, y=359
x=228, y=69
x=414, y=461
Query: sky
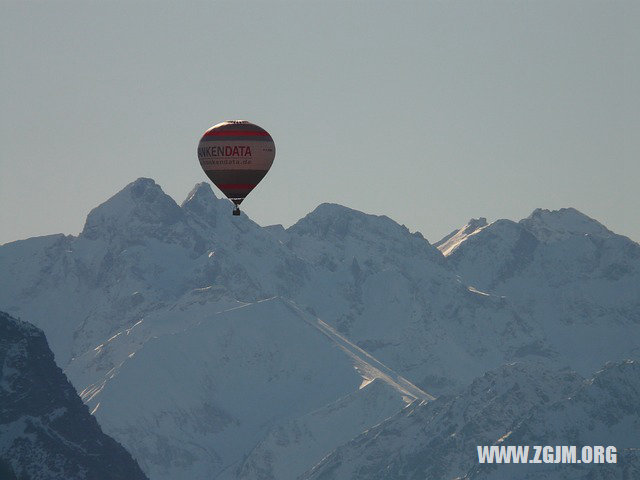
x=431, y=113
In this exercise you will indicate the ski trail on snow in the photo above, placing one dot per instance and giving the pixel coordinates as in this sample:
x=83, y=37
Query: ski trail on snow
x=367, y=365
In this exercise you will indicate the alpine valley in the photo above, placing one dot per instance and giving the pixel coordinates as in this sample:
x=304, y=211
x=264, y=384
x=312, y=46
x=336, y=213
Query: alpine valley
x=343, y=347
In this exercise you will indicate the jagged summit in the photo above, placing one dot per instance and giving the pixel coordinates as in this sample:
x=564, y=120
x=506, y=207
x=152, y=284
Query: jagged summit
x=167, y=319
x=137, y=206
x=277, y=231
x=340, y=233
x=550, y=225
x=544, y=225
x=476, y=223
x=449, y=243
x=203, y=203
x=201, y=192
x=330, y=220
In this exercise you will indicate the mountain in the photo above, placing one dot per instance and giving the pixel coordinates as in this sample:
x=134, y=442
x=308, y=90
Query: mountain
x=211, y=346
x=518, y=404
x=45, y=430
x=449, y=243
x=393, y=294
x=190, y=400
x=289, y=449
x=138, y=252
x=576, y=279
x=603, y=411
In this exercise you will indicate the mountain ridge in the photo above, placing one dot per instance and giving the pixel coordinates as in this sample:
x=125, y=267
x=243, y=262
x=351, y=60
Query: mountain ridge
x=149, y=273
x=46, y=432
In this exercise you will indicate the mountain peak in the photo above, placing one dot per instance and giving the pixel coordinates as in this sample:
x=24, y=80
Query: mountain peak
x=549, y=225
x=449, y=243
x=201, y=192
x=339, y=233
x=140, y=204
x=202, y=203
x=140, y=185
x=332, y=210
x=330, y=219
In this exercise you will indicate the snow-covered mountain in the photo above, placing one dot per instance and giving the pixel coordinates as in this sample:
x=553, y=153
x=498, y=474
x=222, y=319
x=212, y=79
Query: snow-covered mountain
x=603, y=411
x=449, y=243
x=578, y=303
x=290, y=448
x=393, y=293
x=209, y=345
x=195, y=399
x=46, y=432
x=518, y=404
x=574, y=278
x=139, y=252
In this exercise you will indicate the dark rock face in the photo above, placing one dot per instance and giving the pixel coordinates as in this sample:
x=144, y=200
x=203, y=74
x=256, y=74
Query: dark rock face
x=46, y=432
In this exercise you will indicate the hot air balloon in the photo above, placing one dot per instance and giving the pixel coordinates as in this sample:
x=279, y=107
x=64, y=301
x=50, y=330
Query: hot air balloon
x=236, y=155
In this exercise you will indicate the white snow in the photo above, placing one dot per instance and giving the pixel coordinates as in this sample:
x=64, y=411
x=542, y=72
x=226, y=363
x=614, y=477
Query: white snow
x=453, y=241
x=197, y=370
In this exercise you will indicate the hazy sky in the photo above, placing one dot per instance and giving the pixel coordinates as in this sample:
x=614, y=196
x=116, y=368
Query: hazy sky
x=428, y=112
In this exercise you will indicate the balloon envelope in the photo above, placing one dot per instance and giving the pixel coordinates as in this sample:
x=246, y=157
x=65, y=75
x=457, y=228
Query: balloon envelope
x=236, y=155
